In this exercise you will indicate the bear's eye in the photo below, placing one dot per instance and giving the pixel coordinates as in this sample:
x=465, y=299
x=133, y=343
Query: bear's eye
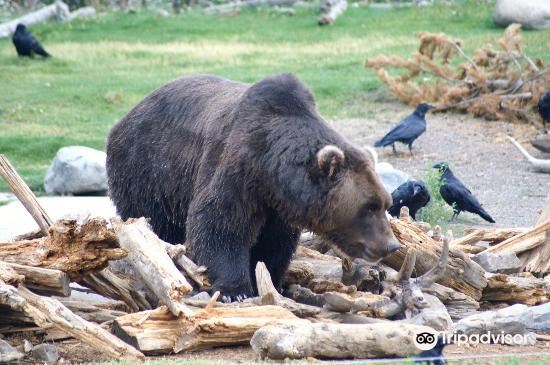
x=371, y=207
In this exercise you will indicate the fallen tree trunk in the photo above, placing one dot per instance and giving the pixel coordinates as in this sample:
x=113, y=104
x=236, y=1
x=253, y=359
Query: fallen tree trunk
x=24, y=194
x=336, y=341
x=48, y=312
x=40, y=280
x=492, y=235
x=73, y=246
x=57, y=10
x=513, y=289
x=108, y=284
x=537, y=261
x=332, y=9
x=90, y=312
x=147, y=255
x=461, y=273
x=195, y=272
x=537, y=163
x=525, y=241
x=268, y=295
x=159, y=332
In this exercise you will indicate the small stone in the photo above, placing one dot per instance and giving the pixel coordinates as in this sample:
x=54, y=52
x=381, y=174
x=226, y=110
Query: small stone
x=45, y=352
x=9, y=353
x=391, y=177
x=504, y=262
x=25, y=347
x=435, y=315
x=541, y=318
x=201, y=296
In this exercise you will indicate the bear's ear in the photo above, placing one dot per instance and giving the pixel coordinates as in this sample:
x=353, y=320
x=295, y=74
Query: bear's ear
x=330, y=160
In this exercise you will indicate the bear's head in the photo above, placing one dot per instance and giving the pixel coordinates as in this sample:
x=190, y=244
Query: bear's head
x=354, y=214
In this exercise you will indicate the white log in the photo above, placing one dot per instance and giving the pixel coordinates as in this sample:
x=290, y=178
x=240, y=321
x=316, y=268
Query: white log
x=332, y=9
x=58, y=10
x=148, y=257
x=336, y=341
x=537, y=163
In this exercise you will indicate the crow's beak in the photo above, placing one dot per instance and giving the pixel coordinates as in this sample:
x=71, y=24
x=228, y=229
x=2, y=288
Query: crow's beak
x=437, y=166
x=416, y=190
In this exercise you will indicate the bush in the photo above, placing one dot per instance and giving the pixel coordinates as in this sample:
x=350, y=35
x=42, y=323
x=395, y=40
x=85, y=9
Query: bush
x=437, y=211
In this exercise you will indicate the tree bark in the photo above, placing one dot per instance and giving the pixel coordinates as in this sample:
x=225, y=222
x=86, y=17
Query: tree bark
x=24, y=194
x=48, y=312
x=40, y=280
x=332, y=9
x=159, y=332
x=73, y=246
x=461, y=273
x=58, y=10
x=108, y=284
x=336, y=341
x=148, y=257
x=513, y=289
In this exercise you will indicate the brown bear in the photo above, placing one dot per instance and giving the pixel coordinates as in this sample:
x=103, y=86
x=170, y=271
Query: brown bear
x=237, y=170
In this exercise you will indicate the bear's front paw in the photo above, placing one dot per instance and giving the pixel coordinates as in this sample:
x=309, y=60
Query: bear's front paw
x=231, y=299
x=231, y=294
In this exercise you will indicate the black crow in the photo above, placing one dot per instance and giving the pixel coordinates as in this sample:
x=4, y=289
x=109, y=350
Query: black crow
x=26, y=44
x=457, y=195
x=413, y=194
x=408, y=130
x=434, y=356
x=544, y=108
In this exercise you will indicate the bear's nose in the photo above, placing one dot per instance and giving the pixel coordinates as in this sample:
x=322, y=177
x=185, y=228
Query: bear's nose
x=393, y=246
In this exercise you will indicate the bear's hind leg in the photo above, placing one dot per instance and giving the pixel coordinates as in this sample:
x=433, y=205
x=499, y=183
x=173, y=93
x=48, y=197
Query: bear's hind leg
x=275, y=247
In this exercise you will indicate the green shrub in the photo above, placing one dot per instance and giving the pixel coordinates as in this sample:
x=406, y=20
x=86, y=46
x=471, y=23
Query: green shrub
x=437, y=211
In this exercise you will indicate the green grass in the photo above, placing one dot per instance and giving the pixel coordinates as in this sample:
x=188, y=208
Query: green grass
x=102, y=67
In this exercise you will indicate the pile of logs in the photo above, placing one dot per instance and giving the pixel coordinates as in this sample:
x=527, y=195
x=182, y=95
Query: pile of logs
x=155, y=299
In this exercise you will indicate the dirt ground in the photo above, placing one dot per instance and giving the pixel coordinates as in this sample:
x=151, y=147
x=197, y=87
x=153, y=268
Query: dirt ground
x=477, y=151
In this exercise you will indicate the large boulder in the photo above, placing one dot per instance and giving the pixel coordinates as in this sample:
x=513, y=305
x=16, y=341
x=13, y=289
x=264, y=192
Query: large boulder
x=391, y=177
x=77, y=170
x=531, y=14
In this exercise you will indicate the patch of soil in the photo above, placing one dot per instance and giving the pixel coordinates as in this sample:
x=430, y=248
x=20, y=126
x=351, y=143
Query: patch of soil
x=477, y=151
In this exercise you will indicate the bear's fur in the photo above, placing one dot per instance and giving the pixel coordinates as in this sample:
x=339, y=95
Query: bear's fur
x=237, y=170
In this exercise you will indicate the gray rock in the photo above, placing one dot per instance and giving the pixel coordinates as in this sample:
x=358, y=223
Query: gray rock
x=201, y=296
x=531, y=14
x=76, y=170
x=45, y=352
x=9, y=353
x=504, y=262
x=434, y=316
x=391, y=177
x=509, y=321
x=540, y=318
x=542, y=142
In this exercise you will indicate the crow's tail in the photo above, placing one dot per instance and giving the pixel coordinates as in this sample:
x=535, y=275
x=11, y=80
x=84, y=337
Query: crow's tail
x=383, y=142
x=483, y=214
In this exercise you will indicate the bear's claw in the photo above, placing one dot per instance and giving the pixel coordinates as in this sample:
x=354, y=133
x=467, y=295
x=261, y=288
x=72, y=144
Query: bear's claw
x=237, y=298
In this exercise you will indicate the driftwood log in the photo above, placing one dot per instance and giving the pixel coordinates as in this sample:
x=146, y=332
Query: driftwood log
x=73, y=245
x=491, y=235
x=40, y=280
x=57, y=10
x=525, y=241
x=158, y=331
x=515, y=289
x=332, y=9
x=110, y=285
x=147, y=256
x=461, y=273
x=268, y=295
x=49, y=312
x=537, y=163
x=24, y=194
x=537, y=260
x=336, y=341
